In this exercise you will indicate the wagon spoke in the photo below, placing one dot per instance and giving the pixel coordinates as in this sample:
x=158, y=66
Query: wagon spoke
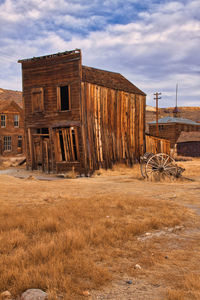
x=166, y=160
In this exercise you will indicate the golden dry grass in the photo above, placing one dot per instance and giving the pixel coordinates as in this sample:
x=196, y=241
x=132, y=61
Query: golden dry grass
x=69, y=236
x=66, y=247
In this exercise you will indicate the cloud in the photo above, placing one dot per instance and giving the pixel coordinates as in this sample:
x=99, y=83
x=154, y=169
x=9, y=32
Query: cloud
x=154, y=44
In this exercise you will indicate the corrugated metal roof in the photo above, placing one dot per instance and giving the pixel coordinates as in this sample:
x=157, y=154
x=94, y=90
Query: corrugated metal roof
x=168, y=120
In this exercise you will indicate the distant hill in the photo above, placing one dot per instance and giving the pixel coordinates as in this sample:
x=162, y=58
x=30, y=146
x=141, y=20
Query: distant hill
x=187, y=112
x=192, y=113
x=11, y=95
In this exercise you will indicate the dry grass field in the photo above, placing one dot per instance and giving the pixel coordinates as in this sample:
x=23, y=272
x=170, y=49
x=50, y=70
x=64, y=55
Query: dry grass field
x=88, y=234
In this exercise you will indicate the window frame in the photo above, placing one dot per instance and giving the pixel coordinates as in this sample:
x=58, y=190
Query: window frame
x=7, y=143
x=3, y=126
x=14, y=121
x=19, y=141
x=59, y=97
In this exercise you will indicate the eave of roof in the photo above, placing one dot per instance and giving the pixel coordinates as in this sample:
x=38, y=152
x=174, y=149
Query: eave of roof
x=49, y=56
x=92, y=75
x=6, y=103
x=193, y=136
x=172, y=120
x=109, y=79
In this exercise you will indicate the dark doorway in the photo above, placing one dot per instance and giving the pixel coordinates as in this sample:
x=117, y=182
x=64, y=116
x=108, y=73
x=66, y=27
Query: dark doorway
x=62, y=145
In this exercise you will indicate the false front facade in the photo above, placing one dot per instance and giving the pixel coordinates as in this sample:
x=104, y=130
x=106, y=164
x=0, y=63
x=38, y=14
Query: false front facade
x=79, y=117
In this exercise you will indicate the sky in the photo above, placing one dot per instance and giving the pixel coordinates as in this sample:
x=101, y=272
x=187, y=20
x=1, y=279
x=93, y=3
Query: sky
x=155, y=44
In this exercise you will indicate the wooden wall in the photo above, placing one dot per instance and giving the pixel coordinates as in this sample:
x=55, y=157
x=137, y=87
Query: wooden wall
x=172, y=131
x=113, y=124
x=191, y=149
x=157, y=145
x=110, y=124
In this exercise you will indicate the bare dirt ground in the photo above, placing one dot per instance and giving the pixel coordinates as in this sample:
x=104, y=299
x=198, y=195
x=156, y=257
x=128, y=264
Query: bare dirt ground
x=170, y=255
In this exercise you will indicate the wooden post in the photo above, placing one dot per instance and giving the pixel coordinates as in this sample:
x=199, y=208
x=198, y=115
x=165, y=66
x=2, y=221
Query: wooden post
x=157, y=98
x=30, y=147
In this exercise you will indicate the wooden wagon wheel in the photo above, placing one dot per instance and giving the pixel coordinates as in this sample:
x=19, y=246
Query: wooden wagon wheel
x=143, y=161
x=160, y=166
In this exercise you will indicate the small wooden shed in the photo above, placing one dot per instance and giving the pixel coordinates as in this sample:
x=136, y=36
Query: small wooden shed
x=79, y=117
x=188, y=144
x=11, y=128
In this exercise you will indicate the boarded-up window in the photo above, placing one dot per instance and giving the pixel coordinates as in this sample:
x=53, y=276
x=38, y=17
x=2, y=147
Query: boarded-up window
x=37, y=99
x=63, y=98
x=7, y=143
x=3, y=121
x=67, y=144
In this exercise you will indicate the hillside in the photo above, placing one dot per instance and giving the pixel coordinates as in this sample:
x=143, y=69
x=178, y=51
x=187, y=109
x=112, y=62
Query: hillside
x=11, y=95
x=192, y=113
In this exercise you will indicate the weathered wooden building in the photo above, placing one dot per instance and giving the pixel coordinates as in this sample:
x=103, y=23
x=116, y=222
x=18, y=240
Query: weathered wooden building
x=79, y=117
x=170, y=128
x=11, y=128
x=188, y=144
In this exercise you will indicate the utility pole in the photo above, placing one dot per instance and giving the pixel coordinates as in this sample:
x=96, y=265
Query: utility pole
x=157, y=98
x=176, y=94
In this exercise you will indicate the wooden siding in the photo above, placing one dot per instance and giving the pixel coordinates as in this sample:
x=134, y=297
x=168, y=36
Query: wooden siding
x=172, y=131
x=191, y=149
x=107, y=122
x=157, y=145
x=112, y=126
x=48, y=75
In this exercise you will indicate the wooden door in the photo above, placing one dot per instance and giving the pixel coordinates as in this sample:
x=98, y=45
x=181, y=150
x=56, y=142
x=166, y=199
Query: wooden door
x=41, y=153
x=37, y=152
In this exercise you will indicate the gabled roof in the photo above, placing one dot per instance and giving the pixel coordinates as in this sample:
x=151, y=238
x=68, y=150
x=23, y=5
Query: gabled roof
x=168, y=120
x=11, y=95
x=109, y=79
x=4, y=104
x=192, y=136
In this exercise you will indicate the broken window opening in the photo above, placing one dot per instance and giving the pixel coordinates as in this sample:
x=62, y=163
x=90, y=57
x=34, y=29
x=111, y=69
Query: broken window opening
x=42, y=130
x=67, y=145
x=63, y=100
x=64, y=97
x=19, y=142
x=62, y=145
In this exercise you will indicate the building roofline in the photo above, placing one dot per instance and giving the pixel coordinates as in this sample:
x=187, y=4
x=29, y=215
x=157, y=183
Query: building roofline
x=171, y=120
x=49, y=56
